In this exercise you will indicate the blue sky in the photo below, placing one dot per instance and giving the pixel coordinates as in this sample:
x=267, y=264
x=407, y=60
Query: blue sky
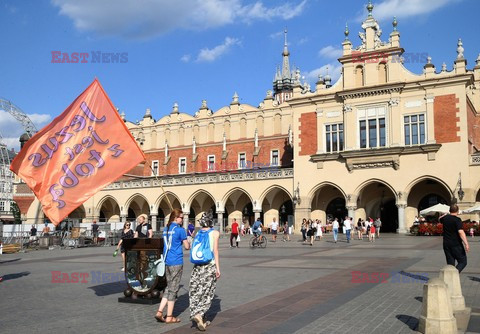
x=190, y=50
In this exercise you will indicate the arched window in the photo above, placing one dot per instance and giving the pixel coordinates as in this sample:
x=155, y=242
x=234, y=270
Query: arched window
x=154, y=139
x=260, y=125
x=277, y=124
x=226, y=129
x=382, y=73
x=211, y=132
x=359, y=76
x=181, y=136
x=243, y=128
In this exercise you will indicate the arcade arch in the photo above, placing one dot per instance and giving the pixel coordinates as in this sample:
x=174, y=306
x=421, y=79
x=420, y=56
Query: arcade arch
x=277, y=203
x=328, y=202
x=378, y=199
x=200, y=202
x=239, y=205
x=108, y=210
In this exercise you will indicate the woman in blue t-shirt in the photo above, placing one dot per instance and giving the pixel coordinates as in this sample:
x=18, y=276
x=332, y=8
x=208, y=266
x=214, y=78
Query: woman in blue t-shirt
x=174, y=236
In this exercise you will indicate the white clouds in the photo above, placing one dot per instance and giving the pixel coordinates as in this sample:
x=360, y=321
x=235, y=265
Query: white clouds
x=133, y=19
x=185, y=58
x=11, y=129
x=406, y=8
x=334, y=70
x=330, y=52
x=209, y=55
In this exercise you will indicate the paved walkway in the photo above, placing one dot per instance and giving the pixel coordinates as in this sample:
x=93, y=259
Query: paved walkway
x=285, y=288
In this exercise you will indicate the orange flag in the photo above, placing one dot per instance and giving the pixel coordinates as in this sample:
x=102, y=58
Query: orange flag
x=84, y=149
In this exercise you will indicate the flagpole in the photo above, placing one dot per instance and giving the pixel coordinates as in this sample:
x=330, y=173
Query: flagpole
x=161, y=186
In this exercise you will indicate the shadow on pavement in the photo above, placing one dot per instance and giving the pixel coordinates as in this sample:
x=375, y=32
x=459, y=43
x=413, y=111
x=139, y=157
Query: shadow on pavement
x=215, y=308
x=420, y=299
x=15, y=276
x=12, y=260
x=109, y=288
x=410, y=321
x=414, y=277
x=473, y=278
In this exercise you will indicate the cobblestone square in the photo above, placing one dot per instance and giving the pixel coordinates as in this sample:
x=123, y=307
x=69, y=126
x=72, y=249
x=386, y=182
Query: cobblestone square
x=288, y=287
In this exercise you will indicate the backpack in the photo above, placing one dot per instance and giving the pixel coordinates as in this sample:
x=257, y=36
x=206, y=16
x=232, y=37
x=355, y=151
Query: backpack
x=201, y=252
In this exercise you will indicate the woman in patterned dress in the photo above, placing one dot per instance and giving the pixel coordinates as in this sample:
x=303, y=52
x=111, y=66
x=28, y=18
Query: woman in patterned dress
x=204, y=277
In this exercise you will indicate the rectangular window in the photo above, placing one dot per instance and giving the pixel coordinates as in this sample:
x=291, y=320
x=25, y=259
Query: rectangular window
x=211, y=162
x=2, y=206
x=242, y=160
x=155, y=167
x=372, y=127
x=334, y=137
x=414, y=127
x=182, y=165
x=274, y=158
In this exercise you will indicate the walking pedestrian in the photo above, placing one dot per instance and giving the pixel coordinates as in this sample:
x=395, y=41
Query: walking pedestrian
x=127, y=233
x=335, y=226
x=234, y=233
x=455, y=243
x=95, y=232
x=174, y=237
x=274, y=229
x=319, y=234
x=359, y=229
x=372, y=233
x=378, y=224
x=304, y=229
x=190, y=232
x=347, y=223
x=203, y=280
x=286, y=234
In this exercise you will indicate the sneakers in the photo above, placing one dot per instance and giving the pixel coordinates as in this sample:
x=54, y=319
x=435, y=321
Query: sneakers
x=123, y=269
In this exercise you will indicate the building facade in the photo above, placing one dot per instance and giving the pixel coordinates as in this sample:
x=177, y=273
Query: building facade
x=380, y=142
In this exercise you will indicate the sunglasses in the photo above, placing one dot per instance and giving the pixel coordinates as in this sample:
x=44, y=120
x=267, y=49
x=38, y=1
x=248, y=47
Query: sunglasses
x=127, y=224
x=180, y=217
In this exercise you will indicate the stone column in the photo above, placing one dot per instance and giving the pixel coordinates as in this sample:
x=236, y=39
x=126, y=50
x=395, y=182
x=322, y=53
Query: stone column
x=123, y=219
x=257, y=215
x=351, y=213
x=301, y=213
x=401, y=219
x=220, y=221
x=185, y=219
x=154, y=222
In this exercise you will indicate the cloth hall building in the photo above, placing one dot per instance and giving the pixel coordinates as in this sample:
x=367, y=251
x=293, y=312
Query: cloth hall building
x=379, y=142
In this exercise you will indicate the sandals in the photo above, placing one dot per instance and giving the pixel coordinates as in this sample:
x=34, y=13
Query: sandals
x=160, y=317
x=200, y=324
x=172, y=320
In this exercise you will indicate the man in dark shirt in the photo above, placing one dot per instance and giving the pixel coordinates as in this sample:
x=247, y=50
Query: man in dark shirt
x=95, y=232
x=453, y=236
x=144, y=229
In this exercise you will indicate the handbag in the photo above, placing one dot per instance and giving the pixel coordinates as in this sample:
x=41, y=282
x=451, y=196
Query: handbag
x=160, y=263
x=238, y=238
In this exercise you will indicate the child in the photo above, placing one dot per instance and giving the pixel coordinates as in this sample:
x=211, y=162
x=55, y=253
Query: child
x=472, y=233
x=372, y=233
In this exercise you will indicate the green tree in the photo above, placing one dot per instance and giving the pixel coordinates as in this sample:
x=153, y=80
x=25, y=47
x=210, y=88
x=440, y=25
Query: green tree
x=15, y=210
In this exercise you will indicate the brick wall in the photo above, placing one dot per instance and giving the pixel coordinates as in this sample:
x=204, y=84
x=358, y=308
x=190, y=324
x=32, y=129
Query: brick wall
x=230, y=163
x=23, y=203
x=446, y=118
x=473, y=121
x=308, y=134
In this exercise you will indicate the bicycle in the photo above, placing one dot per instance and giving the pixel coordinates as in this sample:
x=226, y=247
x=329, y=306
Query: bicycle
x=260, y=241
